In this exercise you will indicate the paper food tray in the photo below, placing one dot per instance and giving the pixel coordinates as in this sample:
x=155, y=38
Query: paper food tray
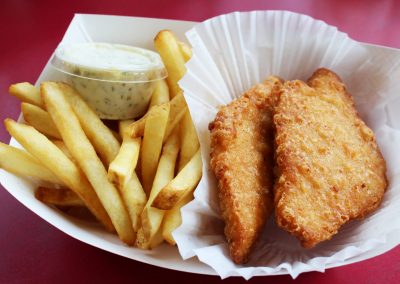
x=206, y=236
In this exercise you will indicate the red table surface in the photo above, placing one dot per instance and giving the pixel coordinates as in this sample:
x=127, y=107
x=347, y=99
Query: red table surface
x=31, y=250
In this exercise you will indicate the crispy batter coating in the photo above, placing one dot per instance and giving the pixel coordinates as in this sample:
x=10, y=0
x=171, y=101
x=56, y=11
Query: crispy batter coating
x=242, y=160
x=330, y=169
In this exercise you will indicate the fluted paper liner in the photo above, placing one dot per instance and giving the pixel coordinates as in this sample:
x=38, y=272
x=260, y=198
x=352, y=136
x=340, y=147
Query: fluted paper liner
x=233, y=52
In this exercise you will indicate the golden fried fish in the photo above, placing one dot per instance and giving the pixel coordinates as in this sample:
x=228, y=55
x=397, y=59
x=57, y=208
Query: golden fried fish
x=242, y=160
x=330, y=169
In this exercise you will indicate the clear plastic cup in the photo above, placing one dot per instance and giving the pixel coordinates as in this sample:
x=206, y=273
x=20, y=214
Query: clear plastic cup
x=116, y=80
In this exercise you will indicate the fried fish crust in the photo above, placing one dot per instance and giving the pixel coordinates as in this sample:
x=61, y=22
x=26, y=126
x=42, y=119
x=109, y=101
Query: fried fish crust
x=242, y=161
x=330, y=169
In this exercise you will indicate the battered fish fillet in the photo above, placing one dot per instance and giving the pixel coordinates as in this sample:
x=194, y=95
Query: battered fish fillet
x=330, y=169
x=242, y=160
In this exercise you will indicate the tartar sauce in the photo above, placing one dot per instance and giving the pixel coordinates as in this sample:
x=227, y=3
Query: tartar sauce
x=116, y=80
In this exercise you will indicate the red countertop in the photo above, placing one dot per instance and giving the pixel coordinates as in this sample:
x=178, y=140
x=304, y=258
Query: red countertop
x=31, y=250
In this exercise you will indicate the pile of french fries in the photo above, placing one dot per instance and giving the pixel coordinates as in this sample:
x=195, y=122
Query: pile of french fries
x=134, y=181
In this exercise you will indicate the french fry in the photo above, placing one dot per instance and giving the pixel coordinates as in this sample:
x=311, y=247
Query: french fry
x=173, y=219
x=136, y=129
x=149, y=234
x=123, y=166
x=167, y=46
x=26, y=92
x=21, y=163
x=160, y=94
x=138, y=169
x=185, y=50
x=182, y=184
x=54, y=159
x=156, y=240
x=123, y=128
x=174, y=54
x=151, y=218
x=178, y=108
x=101, y=137
x=122, y=169
x=166, y=165
x=61, y=145
x=189, y=141
x=153, y=137
x=85, y=155
x=40, y=119
x=58, y=196
x=134, y=198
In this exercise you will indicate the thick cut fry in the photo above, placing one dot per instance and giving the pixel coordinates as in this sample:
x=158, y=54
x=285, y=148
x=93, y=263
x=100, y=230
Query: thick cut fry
x=178, y=108
x=160, y=94
x=101, y=137
x=173, y=219
x=26, y=92
x=123, y=166
x=168, y=48
x=21, y=163
x=135, y=199
x=61, y=145
x=85, y=155
x=156, y=240
x=40, y=119
x=166, y=165
x=123, y=128
x=189, y=141
x=58, y=196
x=182, y=184
x=154, y=131
x=136, y=129
x=131, y=191
x=185, y=50
x=151, y=218
x=54, y=159
x=149, y=233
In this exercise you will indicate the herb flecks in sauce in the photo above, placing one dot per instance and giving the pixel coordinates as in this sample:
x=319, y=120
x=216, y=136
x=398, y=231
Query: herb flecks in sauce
x=116, y=80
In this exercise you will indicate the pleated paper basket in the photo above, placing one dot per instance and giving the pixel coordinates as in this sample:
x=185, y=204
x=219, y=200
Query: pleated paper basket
x=233, y=52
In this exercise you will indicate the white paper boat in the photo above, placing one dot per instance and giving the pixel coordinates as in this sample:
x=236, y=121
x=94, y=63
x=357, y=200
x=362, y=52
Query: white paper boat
x=141, y=31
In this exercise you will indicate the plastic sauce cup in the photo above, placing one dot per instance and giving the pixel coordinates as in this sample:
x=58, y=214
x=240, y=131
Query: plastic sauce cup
x=116, y=80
